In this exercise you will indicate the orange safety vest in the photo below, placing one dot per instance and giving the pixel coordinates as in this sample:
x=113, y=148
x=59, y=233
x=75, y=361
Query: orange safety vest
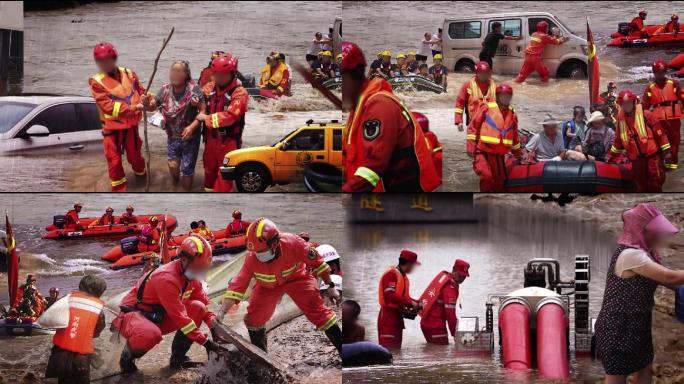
x=638, y=140
x=354, y=159
x=124, y=92
x=666, y=105
x=476, y=98
x=496, y=133
x=402, y=287
x=265, y=75
x=84, y=312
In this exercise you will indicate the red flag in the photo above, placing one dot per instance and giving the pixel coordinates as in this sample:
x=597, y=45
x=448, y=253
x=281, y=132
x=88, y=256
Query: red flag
x=592, y=58
x=12, y=265
x=163, y=243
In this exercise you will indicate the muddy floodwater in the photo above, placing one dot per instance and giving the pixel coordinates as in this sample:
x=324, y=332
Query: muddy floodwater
x=58, y=59
x=497, y=247
x=399, y=27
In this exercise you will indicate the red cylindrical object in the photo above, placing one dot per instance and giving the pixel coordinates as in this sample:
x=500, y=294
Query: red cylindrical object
x=514, y=323
x=552, y=343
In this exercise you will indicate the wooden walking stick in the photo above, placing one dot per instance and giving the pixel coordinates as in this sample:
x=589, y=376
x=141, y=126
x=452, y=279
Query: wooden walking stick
x=149, y=85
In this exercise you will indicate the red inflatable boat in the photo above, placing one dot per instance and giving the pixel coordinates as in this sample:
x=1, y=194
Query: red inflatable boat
x=569, y=176
x=57, y=232
x=652, y=38
x=219, y=247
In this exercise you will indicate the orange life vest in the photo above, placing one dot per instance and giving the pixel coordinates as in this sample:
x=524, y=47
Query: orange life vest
x=496, y=133
x=476, y=98
x=637, y=138
x=354, y=159
x=433, y=292
x=124, y=92
x=402, y=287
x=84, y=312
x=664, y=101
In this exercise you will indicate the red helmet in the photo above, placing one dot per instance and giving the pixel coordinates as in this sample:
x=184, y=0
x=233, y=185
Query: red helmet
x=30, y=277
x=542, y=26
x=643, y=12
x=109, y=210
x=504, y=88
x=482, y=66
x=78, y=204
x=237, y=214
x=352, y=57
x=262, y=234
x=659, y=65
x=130, y=208
x=225, y=64
x=104, y=51
x=626, y=95
x=674, y=17
x=54, y=290
x=422, y=120
x=198, y=250
x=154, y=219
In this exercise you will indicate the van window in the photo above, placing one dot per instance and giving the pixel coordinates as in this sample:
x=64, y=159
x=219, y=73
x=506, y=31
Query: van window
x=532, y=23
x=509, y=27
x=58, y=119
x=337, y=140
x=465, y=30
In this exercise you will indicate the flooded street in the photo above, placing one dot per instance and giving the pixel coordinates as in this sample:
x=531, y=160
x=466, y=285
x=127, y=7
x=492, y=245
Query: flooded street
x=58, y=59
x=401, y=27
x=497, y=248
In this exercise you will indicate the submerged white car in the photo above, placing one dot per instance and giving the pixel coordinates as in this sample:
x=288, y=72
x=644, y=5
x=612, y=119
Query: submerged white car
x=45, y=124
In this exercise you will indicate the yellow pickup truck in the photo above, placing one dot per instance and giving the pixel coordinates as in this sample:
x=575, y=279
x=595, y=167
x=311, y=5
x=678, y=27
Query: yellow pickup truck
x=255, y=169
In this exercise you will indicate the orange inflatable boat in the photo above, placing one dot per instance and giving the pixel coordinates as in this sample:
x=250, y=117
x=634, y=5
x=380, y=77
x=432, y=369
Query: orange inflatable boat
x=57, y=231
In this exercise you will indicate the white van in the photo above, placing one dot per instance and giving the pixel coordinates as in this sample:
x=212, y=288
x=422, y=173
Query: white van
x=463, y=36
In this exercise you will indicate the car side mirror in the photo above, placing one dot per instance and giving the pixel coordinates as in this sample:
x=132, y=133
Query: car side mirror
x=37, y=131
x=285, y=146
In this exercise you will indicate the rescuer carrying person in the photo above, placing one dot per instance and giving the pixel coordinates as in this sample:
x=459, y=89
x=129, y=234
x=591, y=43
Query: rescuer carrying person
x=383, y=147
x=280, y=263
x=168, y=299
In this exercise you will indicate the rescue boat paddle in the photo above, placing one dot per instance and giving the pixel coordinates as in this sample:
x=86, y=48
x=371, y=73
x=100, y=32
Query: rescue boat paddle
x=316, y=84
x=148, y=86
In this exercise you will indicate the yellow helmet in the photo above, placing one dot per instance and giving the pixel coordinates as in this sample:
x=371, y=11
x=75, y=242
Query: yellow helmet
x=339, y=56
x=437, y=57
x=411, y=53
x=326, y=53
x=387, y=53
x=401, y=56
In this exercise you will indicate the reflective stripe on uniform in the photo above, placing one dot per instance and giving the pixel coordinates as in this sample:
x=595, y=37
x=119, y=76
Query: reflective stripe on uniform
x=116, y=183
x=439, y=335
x=671, y=166
x=438, y=149
x=535, y=39
x=328, y=323
x=459, y=110
x=117, y=107
x=214, y=120
x=287, y=272
x=191, y=326
x=471, y=136
x=368, y=174
x=613, y=149
x=264, y=277
x=665, y=147
x=234, y=295
x=141, y=173
x=321, y=268
x=208, y=189
x=496, y=140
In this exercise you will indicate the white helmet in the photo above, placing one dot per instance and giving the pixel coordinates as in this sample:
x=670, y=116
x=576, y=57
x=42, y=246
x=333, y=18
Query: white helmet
x=336, y=279
x=327, y=252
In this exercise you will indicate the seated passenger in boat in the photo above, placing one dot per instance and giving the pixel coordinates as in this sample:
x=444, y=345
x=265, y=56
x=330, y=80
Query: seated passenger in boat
x=423, y=72
x=595, y=142
x=546, y=145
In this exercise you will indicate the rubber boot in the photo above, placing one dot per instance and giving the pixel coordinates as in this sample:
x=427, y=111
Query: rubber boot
x=334, y=334
x=126, y=361
x=179, y=348
x=258, y=338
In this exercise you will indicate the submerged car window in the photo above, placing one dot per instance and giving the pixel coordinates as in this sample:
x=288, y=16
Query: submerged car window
x=58, y=119
x=88, y=117
x=308, y=140
x=11, y=113
x=337, y=139
x=465, y=30
x=532, y=23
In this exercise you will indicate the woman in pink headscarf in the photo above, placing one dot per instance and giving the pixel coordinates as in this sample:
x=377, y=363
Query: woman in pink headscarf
x=623, y=327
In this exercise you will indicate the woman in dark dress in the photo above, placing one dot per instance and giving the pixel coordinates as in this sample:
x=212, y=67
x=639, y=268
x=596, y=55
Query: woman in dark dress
x=623, y=327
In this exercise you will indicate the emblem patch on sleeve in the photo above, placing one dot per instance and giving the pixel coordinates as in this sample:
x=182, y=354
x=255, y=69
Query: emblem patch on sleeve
x=371, y=129
x=312, y=253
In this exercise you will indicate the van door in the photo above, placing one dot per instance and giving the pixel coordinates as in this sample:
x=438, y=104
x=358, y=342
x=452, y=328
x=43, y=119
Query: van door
x=511, y=53
x=304, y=147
x=60, y=120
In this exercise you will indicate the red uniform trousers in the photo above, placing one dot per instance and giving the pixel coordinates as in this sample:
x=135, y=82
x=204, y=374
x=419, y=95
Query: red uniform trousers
x=533, y=63
x=142, y=334
x=673, y=132
x=492, y=171
x=648, y=173
x=303, y=292
x=390, y=327
x=117, y=142
x=215, y=150
x=438, y=336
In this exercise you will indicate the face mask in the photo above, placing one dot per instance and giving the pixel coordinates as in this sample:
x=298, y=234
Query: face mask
x=189, y=275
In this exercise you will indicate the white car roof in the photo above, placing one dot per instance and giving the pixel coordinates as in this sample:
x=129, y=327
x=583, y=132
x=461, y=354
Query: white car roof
x=502, y=15
x=40, y=99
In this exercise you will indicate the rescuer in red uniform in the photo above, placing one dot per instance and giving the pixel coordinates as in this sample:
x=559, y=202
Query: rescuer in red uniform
x=106, y=219
x=534, y=51
x=665, y=98
x=280, y=263
x=637, y=24
x=432, y=141
x=640, y=138
x=224, y=121
x=237, y=226
x=492, y=134
x=480, y=89
x=128, y=217
x=117, y=93
x=71, y=219
x=442, y=314
x=383, y=147
x=168, y=299
x=395, y=300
